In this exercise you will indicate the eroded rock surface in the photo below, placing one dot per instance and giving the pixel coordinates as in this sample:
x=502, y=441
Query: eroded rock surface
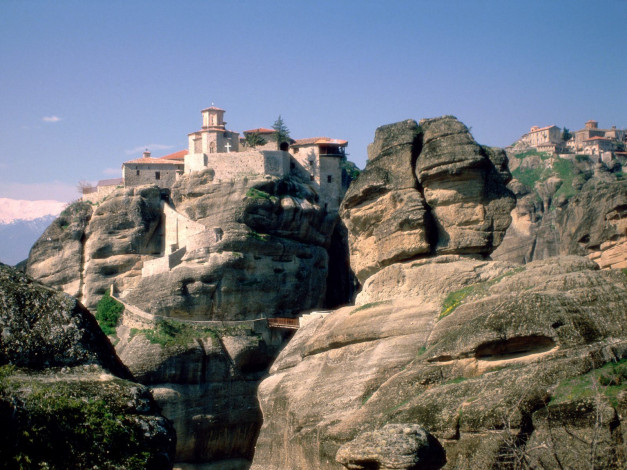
x=89, y=248
x=570, y=205
x=64, y=394
x=492, y=358
x=205, y=380
x=480, y=367
x=428, y=189
x=395, y=446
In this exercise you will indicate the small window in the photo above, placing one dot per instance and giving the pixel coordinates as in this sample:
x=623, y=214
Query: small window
x=295, y=149
x=157, y=175
x=137, y=172
x=329, y=179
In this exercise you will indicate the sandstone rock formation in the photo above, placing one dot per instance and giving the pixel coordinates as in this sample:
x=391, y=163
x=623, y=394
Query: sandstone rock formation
x=569, y=205
x=395, y=446
x=244, y=249
x=263, y=252
x=482, y=368
x=65, y=397
x=428, y=189
x=88, y=248
x=258, y=235
x=494, y=359
x=205, y=380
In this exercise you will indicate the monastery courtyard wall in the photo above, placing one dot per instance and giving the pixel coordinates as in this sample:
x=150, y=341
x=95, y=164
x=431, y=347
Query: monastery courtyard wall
x=237, y=165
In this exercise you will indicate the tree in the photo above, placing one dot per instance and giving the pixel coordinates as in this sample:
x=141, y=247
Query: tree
x=84, y=187
x=253, y=139
x=282, y=132
x=566, y=135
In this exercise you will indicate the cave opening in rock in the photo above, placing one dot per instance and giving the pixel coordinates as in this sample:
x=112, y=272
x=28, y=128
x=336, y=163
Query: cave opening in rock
x=515, y=347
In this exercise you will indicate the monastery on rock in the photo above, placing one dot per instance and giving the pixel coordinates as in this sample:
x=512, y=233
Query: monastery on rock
x=222, y=151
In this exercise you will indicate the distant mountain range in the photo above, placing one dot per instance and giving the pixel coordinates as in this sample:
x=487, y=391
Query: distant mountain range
x=21, y=224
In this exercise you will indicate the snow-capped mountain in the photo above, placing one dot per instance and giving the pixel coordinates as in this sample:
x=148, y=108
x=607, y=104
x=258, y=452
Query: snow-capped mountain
x=21, y=224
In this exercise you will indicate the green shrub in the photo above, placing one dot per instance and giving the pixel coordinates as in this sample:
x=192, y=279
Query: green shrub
x=58, y=426
x=255, y=193
x=608, y=381
x=108, y=312
x=263, y=237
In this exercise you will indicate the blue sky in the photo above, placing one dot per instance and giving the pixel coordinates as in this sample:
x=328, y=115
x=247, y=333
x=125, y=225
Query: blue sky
x=87, y=85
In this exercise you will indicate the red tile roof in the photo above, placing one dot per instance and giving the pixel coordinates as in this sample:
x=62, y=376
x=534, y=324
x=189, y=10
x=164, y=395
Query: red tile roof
x=153, y=161
x=319, y=141
x=180, y=155
x=542, y=128
x=212, y=108
x=596, y=138
x=260, y=130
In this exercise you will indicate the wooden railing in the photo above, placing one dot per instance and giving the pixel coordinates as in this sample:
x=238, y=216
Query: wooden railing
x=283, y=323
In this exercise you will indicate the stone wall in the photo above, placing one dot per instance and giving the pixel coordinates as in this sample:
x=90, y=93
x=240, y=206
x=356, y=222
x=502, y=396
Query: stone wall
x=178, y=229
x=330, y=182
x=237, y=165
x=99, y=194
x=163, y=264
x=146, y=173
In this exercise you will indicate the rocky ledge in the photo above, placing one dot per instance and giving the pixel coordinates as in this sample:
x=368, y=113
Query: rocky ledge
x=502, y=366
x=65, y=397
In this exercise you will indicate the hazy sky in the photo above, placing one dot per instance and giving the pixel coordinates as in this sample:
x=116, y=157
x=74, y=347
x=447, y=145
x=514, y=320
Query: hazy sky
x=86, y=85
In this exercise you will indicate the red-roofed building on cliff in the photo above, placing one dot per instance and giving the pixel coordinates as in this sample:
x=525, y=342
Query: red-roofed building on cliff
x=317, y=160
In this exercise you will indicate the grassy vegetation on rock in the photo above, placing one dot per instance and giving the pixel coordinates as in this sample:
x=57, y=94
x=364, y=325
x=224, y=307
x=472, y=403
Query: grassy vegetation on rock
x=255, y=193
x=78, y=424
x=456, y=298
x=369, y=305
x=169, y=333
x=108, y=312
x=607, y=380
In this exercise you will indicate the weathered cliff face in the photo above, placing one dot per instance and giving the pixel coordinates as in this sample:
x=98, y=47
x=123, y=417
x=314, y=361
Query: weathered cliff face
x=263, y=252
x=87, y=249
x=492, y=371
x=205, y=380
x=503, y=364
x=247, y=249
x=428, y=189
x=64, y=394
x=571, y=205
x=56, y=259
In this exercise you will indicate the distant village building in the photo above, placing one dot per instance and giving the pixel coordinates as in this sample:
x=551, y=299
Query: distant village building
x=598, y=145
x=590, y=140
x=584, y=138
x=147, y=170
x=544, y=139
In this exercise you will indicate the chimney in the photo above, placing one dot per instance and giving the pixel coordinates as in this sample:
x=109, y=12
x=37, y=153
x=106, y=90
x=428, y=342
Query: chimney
x=146, y=154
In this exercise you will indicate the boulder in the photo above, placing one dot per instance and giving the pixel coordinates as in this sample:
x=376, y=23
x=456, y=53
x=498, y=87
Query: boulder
x=64, y=394
x=394, y=446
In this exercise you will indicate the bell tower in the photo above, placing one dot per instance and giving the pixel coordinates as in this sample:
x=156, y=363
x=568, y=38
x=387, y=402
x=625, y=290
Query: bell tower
x=213, y=118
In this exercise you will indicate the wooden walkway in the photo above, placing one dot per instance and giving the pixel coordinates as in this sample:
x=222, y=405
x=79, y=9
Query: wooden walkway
x=290, y=323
